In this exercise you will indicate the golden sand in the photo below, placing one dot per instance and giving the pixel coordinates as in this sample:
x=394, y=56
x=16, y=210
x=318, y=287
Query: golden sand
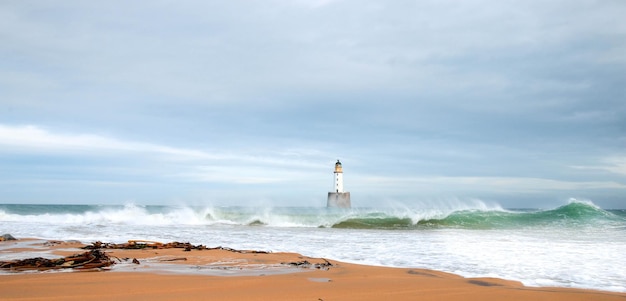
x=175, y=274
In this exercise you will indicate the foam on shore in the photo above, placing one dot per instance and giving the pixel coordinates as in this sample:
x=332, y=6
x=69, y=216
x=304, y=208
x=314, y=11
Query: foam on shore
x=163, y=275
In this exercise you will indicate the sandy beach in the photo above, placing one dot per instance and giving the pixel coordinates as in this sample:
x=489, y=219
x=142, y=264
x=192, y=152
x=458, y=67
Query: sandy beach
x=223, y=274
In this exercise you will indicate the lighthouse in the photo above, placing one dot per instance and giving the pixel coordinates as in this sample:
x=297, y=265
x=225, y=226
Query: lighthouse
x=338, y=197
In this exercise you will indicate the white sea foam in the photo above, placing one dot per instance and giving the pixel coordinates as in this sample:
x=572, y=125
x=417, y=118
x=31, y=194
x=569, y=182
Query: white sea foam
x=132, y=214
x=538, y=254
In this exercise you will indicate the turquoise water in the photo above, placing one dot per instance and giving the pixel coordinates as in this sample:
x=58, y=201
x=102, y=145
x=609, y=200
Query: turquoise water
x=575, y=214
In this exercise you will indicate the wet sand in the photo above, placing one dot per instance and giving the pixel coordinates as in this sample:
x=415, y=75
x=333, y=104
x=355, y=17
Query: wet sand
x=175, y=274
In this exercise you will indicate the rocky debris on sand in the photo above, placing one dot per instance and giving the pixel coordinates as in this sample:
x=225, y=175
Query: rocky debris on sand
x=144, y=244
x=93, y=259
x=306, y=264
x=6, y=237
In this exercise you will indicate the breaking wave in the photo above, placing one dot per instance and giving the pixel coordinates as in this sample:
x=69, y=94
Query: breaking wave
x=462, y=217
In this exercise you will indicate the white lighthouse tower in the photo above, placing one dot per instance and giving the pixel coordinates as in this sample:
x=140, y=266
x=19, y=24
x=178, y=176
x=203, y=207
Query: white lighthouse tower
x=338, y=197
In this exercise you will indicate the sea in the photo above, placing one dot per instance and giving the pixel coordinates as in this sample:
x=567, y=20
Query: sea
x=578, y=244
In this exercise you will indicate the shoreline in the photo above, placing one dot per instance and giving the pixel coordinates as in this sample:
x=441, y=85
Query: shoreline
x=168, y=274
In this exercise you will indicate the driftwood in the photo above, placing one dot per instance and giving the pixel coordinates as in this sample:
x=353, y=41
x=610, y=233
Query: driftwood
x=146, y=244
x=88, y=260
x=143, y=244
x=95, y=258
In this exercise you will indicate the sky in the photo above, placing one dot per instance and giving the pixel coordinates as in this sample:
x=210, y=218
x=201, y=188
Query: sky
x=515, y=103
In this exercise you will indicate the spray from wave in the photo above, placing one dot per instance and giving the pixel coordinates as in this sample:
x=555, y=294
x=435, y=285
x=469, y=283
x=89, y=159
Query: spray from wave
x=474, y=214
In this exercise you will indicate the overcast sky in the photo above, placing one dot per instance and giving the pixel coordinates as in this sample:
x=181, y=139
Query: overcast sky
x=519, y=103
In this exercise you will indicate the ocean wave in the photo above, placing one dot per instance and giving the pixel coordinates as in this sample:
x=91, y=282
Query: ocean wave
x=476, y=215
x=572, y=214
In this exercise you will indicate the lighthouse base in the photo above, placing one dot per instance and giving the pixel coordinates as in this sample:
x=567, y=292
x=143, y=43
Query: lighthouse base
x=338, y=200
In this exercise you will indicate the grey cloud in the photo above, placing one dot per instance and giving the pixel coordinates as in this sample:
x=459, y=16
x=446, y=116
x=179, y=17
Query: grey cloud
x=417, y=88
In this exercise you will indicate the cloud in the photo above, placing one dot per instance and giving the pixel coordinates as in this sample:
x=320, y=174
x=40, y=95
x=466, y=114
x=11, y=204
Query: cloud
x=233, y=166
x=315, y=3
x=506, y=95
x=456, y=184
x=35, y=139
x=613, y=164
x=238, y=174
x=616, y=165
